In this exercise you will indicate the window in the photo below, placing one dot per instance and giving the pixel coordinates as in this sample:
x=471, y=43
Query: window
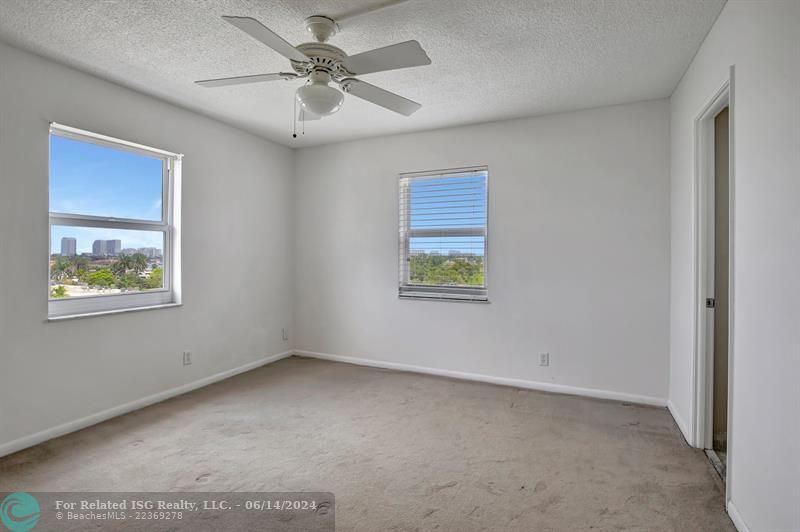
x=444, y=234
x=113, y=224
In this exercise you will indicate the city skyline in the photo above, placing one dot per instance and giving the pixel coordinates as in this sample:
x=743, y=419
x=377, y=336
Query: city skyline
x=110, y=248
x=86, y=236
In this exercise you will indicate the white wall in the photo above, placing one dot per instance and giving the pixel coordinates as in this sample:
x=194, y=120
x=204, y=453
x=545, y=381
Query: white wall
x=237, y=253
x=578, y=251
x=762, y=40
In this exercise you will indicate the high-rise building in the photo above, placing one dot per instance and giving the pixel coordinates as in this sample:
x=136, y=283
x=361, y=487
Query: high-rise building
x=106, y=248
x=99, y=248
x=68, y=246
x=150, y=253
x=113, y=247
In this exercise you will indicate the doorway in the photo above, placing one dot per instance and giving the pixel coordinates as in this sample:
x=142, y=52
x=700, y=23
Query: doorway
x=719, y=301
x=713, y=275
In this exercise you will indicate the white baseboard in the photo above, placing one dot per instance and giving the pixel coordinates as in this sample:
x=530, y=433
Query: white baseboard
x=684, y=428
x=736, y=517
x=503, y=381
x=72, y=426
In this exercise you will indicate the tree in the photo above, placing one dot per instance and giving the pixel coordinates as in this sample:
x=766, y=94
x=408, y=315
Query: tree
x=102, y=277
x=57, y=292
x=156, y=279
x=447, y=270
x=65, y=267
x=80, y=263
x=60, y=269
x=130, y=280
x=122, y=265
x=138, y=262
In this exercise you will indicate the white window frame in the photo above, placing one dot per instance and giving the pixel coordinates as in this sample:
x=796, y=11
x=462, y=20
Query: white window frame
x=169, y=225
x=406, y=290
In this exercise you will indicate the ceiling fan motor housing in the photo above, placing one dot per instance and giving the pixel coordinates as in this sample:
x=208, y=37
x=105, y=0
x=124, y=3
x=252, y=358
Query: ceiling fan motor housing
x=321, y=57
x=321, y=27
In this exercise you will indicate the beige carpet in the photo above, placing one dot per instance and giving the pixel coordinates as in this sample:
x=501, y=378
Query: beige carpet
x=400, y=452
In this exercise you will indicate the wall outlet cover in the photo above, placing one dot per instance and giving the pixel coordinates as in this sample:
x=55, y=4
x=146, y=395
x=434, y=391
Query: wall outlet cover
x=544, y=359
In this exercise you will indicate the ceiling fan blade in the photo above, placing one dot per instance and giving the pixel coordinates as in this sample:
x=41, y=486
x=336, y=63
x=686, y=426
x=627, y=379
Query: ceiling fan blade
x=241, y=80
x=403, y=55
x=261, y=33
x=378, y=96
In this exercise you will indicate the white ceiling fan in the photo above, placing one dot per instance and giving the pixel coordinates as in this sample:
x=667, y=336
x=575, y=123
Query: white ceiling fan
x=322, y=63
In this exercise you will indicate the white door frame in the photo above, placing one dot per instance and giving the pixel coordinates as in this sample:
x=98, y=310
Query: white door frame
x=703, y=356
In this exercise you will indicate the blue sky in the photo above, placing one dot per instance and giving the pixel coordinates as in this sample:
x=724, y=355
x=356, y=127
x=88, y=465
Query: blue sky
x=451, y=202
x=99, y=181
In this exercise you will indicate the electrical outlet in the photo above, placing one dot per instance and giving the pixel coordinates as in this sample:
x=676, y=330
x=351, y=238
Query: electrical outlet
x=284, y=334
x=187, y=358
x=544, y=359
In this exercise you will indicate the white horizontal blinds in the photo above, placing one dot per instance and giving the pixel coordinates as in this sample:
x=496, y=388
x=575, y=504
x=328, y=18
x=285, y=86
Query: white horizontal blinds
x=443, y=234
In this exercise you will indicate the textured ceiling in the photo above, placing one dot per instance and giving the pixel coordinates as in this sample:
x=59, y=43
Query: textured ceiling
x=492, y=59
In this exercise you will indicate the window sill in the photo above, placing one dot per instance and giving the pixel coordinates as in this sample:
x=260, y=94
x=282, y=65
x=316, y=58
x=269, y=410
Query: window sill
x=108, y=312
x=444, y=299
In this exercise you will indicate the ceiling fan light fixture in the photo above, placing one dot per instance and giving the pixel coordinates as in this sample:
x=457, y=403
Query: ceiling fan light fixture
x=318, y=98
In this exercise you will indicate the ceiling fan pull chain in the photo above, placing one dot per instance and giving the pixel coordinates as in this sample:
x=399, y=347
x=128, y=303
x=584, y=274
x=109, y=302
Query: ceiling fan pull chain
x=294, y=119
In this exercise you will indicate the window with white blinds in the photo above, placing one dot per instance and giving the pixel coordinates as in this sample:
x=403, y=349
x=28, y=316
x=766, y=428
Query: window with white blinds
x=444, y=234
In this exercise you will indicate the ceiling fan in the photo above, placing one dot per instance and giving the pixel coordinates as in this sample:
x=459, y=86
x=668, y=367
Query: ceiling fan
x=322, y=63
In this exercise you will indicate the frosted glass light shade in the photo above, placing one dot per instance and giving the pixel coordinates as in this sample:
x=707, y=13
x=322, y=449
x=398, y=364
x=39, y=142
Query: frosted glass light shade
x=319, y=99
